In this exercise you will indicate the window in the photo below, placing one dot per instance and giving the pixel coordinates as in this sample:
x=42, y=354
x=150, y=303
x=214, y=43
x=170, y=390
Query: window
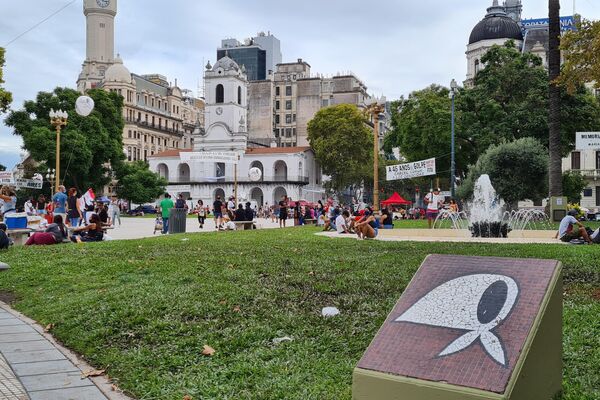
x=294, y=77
x=152, y=139
x=288, y=118
x=145, y=154
x=159, y=104
x=129, y=154
x=177, y=109
x=576, y=160
x=277, y=91
x=153, y=121
x=129, y=134
x=139, y=116
x=160, y=123
x=588, y=192
x=598, y=160
x=294, y=117
x=476, y=66
x=294, y=132
x=288, y=105
x=220, y=94
x=152, y=101
x=239, y=95
x=277, y=105
x=288, y=132
x=145, y=100
x=325, y=103
x=277, y=119
x=276, y=132
x=288, y=90
x=166, y=141
x=102, y=25
x=138, y=98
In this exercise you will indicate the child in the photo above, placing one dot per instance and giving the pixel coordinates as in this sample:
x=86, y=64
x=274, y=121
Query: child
x=158, y=224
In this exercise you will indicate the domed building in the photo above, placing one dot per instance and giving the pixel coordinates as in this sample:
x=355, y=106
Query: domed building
x=496, y=28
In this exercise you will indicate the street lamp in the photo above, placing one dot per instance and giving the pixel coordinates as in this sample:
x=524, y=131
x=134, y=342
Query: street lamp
x=453, y=91
x=58, y=119
x=50, y=178
x=375, y=106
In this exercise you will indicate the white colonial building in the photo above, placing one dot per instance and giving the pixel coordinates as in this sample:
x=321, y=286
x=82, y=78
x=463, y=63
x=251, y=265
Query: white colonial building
x=291, y=171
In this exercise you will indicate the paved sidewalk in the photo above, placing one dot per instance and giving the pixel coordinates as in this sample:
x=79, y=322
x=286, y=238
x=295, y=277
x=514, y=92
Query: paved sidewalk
x=33, y=367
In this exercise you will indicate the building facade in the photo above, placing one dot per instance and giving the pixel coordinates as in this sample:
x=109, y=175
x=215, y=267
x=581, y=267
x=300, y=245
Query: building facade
x=158, y=116
x=291, y=171
x=587, y=163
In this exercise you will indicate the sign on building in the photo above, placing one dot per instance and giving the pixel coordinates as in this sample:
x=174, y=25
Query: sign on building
x=469, y=328
x=28, y=183
x=411, y=170
x=566, y=23
x=228, y=157
x=587, y=141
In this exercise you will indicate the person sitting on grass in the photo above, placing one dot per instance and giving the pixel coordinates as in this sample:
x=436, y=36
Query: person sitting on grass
x=341, y=222
x=55, y=233
x=5, y=241
x=368, y=226
x=567, y=231
x=92, y=232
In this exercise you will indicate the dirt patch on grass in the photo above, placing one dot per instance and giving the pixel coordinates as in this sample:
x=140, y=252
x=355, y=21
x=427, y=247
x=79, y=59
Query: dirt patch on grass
x=596, y=294
x=7, y=296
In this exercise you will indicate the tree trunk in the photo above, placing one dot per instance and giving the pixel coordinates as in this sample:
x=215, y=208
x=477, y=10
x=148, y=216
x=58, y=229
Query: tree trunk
x=555, y=170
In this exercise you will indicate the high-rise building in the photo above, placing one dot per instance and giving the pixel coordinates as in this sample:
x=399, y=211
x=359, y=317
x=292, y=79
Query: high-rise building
x=258, y=55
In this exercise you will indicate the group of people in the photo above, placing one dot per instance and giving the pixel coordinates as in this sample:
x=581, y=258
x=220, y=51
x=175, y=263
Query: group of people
x=226, y=214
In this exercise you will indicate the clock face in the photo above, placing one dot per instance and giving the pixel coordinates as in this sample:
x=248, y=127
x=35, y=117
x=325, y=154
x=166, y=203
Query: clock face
x=219, y=111
x=103, y=3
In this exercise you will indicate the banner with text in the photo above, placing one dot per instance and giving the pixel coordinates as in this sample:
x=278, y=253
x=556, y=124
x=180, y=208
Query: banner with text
x=411, y=170
x=28, y=183
x=6, y=178
x=228, y=157
x=587, y=141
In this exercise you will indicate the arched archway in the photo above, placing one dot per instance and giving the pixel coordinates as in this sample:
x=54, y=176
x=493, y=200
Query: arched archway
x=280, y=171
x=278, y=193
x=183, y=173
x=220, y=94
x=258, y=164
x=163, y=171
x=256, y=194
x=219, y=192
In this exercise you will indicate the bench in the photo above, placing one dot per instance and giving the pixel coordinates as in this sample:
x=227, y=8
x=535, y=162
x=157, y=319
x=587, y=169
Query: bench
x=19, y=236
x=246, y=224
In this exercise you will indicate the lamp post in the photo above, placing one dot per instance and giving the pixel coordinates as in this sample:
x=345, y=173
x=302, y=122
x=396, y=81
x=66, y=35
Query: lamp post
x=50, y=178
x=453, y=90
x=376, y=106
x=58, y=119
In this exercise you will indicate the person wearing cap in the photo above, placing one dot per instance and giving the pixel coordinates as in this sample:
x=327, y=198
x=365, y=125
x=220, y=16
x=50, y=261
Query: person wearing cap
x=567, y=230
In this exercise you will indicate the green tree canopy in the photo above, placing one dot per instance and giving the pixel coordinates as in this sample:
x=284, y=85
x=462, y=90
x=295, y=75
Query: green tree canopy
x=138, y=184
x=5, y=96
x=573, y=184
x=343, y=145
x=89, y=145
x=581, y=50
x=518, y=171
x=2, y=167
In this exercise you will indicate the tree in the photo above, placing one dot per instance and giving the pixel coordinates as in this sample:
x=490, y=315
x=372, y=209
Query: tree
x=573, y=184
x=518, y=171
x=555, y=172
x=138, y=184
x=2, y=167
x=581, y=50
x=89, y=145
x=5, y=96
x=343, y=145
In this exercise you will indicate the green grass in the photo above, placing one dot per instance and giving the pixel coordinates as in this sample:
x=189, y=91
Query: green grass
x=422, y=224
x=144, y=309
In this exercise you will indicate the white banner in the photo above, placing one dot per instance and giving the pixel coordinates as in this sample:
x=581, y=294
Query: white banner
x=228, y=157
x=6, y=178
x=587, y=141
x=411, y=170
x=179, y=188
x=28, y=183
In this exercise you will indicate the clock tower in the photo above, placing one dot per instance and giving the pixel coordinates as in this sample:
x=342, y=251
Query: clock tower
x=100, y=41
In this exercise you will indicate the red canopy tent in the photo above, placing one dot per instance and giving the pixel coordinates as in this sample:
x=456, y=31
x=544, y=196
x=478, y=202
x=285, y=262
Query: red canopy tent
x=396, y=200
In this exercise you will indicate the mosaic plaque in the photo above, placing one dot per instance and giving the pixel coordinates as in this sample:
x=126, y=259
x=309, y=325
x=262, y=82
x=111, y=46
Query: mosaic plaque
x=467, y=322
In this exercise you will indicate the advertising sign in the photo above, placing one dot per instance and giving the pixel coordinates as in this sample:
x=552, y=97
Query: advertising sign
x=228, y=157
x=587, y=141
x=411, y=170
x=6, y=178
x=28, y=183
x=566, y=23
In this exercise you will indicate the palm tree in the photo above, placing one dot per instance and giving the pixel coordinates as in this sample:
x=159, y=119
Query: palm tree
x=555, y=172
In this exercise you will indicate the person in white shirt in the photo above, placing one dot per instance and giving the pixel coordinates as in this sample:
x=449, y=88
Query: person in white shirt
x=434, y=202
x=341, y=223
x=29, y=207
x=567, y=231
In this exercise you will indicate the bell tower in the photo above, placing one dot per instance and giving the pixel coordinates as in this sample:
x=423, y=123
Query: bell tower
x=100, y=41
x=513, y=9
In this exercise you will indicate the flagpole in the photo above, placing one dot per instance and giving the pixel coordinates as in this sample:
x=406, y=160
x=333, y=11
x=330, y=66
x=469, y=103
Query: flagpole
x=235, y=180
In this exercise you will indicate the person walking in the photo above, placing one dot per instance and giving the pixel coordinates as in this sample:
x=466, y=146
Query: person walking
x=201, y=212
x=283, y=211
x=434, y=201
x=165, y=207
x=114, y=211
x=60, y=202
x=218, y=212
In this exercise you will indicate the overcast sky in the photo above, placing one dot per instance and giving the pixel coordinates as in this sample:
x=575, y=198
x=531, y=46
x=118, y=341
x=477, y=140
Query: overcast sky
x=394, y=46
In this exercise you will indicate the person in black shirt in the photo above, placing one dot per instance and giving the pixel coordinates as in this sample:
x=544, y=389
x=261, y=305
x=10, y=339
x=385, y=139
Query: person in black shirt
x=249, y=212
x=4, y=240
x=283, y=205
x=218, y=212
x=103, y=214
x=240, y=214
x=387, y=218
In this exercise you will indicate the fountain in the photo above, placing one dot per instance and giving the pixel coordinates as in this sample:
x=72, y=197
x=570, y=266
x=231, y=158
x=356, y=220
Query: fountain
x=486, y=216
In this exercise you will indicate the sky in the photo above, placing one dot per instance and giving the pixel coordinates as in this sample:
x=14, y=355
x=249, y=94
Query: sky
x=395, y=47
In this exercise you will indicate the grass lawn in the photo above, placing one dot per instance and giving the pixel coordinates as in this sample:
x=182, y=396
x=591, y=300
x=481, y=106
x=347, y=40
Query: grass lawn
x=143, y=309
x=422, y=224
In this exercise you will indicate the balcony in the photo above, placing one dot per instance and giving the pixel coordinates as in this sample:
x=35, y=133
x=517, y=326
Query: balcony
x=154, y=127
x=302, y=180
x=589, y=173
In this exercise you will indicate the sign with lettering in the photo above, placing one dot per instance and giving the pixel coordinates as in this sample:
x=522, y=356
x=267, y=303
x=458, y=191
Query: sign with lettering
x=227, y=157
x=411, y=170
x=6, y=178
x=469, y=322
x=587, y=141
x=566, y=23
x=28, y=183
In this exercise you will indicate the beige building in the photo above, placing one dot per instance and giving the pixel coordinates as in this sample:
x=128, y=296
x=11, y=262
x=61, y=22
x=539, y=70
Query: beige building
x=587, y=163
x=158, y=116
x=281, y=106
